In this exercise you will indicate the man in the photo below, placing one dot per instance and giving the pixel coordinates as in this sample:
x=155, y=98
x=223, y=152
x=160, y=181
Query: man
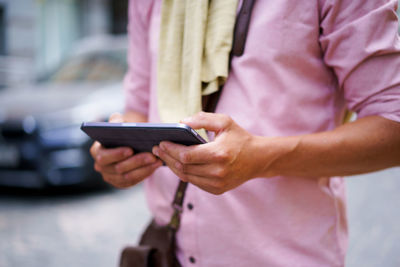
x=274, y=168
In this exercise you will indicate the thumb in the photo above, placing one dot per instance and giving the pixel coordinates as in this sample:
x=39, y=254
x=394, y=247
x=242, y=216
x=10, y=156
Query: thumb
x=209, y=121
x=116, y=117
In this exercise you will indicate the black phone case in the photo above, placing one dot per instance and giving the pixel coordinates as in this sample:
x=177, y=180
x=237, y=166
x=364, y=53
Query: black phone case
x=141, y=137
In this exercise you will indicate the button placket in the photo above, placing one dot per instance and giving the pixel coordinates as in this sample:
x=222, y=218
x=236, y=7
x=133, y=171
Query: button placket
x=189, y=232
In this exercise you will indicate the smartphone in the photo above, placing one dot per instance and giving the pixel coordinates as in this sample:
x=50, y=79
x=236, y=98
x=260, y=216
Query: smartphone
x=141, y=137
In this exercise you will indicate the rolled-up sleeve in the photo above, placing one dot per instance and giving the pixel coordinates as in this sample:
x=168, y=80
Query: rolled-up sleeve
x=137, y=78
x=361, y=44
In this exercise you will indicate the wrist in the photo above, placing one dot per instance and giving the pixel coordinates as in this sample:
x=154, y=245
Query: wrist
x=272, y=153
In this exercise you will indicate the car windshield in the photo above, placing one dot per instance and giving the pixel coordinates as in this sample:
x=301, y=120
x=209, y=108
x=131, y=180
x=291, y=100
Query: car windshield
x=93, y=67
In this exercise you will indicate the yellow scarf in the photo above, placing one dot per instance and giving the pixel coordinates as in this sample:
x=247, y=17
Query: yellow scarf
x=195, y=42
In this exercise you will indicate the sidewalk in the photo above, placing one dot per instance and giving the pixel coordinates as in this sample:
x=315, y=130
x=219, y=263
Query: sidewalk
x=90, y=229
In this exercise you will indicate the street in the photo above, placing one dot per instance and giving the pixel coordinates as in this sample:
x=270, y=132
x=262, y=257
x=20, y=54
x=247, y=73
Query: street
x=69, y=230
x=89, y=229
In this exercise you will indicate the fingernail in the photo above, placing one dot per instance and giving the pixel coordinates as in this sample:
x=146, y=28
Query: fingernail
x=155, y=151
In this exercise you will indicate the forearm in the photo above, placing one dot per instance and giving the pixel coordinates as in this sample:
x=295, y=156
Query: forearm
x=366, y=145
x=235, y=156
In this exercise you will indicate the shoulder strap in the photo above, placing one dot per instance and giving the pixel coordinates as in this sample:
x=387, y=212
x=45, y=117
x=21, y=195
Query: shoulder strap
x=238, y=45
x=242, y=27
x=239, y=41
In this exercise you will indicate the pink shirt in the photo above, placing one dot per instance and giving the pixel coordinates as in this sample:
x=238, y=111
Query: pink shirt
x=305, y=62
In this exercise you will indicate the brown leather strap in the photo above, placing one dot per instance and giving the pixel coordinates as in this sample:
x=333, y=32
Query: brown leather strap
x=242, y=27
x=238, y=45
x=177, y=205
x=210, y=102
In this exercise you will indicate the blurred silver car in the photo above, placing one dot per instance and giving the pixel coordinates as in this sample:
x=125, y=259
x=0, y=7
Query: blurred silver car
x=41, y=143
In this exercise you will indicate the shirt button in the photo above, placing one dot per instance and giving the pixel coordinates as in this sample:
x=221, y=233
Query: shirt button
x=190, y=206
x=192, y=260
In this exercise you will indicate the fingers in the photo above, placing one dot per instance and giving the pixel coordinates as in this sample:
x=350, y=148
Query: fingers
x=94, y=148
x=194, y=173
x=141, y=159
x=139, y=174
x=195, y=161
x=209, y=121
x=106, y=156
x=120, y=167
x=169, y=161
x=130, y=171
x=196, y=154
x=131, y=178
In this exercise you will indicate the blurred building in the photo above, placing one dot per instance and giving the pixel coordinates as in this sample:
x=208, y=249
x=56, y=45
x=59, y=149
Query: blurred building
x=35, y=35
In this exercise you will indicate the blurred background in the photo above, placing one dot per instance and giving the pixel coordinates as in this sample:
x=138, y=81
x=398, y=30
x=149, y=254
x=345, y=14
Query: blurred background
x=62, y=62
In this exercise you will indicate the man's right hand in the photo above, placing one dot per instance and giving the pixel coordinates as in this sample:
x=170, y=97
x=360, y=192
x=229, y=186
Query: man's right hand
x=120, y=167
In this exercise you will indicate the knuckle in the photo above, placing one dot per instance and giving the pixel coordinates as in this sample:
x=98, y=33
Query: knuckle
x=222, y=155
x=182, y=168
x=179, y=170
x=220, y=172
x=202, y=114
x=185, y=157
x=118, y=169
x=100, y=159
x=226, y=120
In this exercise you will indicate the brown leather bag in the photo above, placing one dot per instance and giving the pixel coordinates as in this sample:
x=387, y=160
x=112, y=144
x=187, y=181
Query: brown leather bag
x=158, y=242
x=156, y=249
